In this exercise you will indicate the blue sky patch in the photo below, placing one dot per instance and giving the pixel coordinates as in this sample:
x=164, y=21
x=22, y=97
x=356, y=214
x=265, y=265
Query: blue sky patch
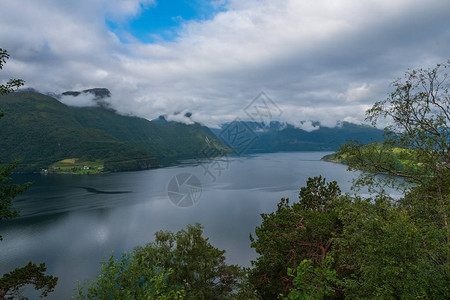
x=162, y=21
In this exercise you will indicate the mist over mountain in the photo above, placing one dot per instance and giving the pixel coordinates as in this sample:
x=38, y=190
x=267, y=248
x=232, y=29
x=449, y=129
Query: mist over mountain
x=38, y=130
x=280, y=136
x=88, y=97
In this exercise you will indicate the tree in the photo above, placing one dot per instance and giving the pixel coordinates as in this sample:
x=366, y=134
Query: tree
x=303, y=230
x=312, y=282
x=195, y=262
x=418, y=112
x=7, y=190
x=386, y=252
x=131, y=278
x=400, y=248
x=383, y=248
x=190, y=265
x=11, y=283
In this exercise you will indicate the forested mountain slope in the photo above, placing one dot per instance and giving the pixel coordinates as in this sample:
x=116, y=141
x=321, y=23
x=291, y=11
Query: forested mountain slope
x=39, y=130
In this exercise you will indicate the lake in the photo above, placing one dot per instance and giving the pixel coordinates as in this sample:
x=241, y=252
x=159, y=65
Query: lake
x=72, y=222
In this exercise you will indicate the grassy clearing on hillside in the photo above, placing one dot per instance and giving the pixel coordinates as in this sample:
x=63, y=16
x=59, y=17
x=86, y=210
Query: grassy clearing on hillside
x=68, y=160
x=77, y=166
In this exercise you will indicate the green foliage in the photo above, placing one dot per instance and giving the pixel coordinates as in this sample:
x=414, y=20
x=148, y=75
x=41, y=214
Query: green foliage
x=304, y=230
x=430, y=204
x=11, y=84
x=388, y=253
x=318, y=195
x=195, y=261
x=130, y=277
x=418, y=112
x=245, y=290
x=312, y=282
x=380, y=158
x=383, y=249
x=400, y=249
x=195, y=269
x=8, y=191
x=11, y=283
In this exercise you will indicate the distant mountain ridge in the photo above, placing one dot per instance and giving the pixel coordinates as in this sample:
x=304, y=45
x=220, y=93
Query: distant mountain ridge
x=39, y=130
x=280, y=136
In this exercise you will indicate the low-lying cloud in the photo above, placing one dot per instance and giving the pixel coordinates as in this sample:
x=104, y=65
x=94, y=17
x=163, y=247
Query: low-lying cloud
x=82, y=100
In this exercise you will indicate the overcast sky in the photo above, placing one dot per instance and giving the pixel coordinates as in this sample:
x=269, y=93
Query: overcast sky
x=316, y=59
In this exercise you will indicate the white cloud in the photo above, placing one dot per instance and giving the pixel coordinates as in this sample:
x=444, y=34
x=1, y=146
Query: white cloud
x=352, y=120
x=179, y=117
x=83, y=99
x=306, y=126
x=358, y=93
x=318, y=60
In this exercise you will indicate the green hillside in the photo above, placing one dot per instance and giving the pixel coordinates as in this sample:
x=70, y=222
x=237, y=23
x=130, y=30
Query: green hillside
x=39, y=130
x=167, y=140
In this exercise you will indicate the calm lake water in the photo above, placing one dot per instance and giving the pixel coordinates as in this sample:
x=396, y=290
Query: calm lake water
x=73, y=222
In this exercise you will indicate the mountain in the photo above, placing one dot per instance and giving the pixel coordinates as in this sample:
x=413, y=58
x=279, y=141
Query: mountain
x=277, y=136
x=99, y=96
x=98, y=93
x=39, y=131
x=168, y=140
